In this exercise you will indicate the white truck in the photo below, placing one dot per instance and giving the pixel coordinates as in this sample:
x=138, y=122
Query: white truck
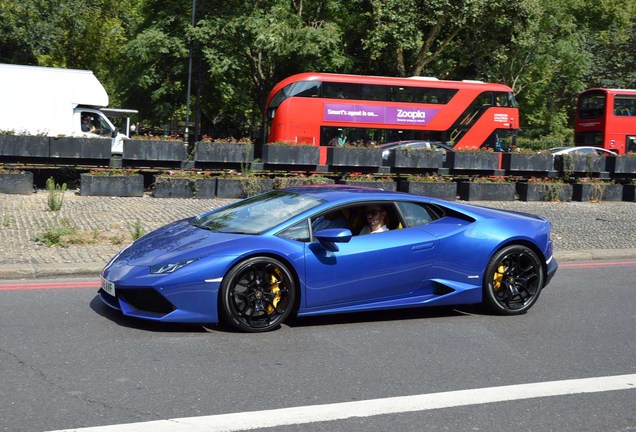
x=56, y=102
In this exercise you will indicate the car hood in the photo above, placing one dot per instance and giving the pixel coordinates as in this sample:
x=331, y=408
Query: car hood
x=178, y=241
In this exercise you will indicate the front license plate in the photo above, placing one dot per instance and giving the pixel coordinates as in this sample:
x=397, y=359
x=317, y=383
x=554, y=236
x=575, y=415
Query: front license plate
x=109, y=287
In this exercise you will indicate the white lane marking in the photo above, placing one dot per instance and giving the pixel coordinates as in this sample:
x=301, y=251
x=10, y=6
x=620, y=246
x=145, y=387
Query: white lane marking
x=394, y=405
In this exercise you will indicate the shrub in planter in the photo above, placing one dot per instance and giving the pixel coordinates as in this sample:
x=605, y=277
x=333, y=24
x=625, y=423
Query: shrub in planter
x=568, y=164
x=487, y=189
x=594, y=190
x=299, y=180
x=544, y=189
x=241, y=185
x=16, y=182
x=112, y=182
x=433, y=186
x=370, y=181
x=226, y=151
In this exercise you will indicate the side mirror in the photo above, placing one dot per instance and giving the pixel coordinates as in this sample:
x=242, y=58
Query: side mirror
x=115, y=132
x=330, y=236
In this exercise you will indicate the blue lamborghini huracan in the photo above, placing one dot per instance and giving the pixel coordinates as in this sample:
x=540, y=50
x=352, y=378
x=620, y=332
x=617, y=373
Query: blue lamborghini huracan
x=303, y=251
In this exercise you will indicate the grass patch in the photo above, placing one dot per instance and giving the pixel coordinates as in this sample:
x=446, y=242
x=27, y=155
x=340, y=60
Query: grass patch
x=63, y=233
x=55, y=194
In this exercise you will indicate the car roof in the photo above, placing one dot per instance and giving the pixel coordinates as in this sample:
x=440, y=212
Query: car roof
x=407, y=142
x=337, y=194
x=574, y=148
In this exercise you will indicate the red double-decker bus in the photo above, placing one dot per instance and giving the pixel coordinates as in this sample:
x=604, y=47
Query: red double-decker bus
x=332, y=109
x=606, y=118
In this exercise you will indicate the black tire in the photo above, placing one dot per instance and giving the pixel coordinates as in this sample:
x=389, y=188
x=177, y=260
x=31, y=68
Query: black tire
x=257, y=295
x=513, y=280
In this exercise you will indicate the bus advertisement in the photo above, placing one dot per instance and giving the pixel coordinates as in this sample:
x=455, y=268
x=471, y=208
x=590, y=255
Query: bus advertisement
x=606, y=118
x=333, y=110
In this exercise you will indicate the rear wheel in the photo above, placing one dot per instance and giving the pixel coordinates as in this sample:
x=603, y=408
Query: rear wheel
x=257, y=295
x=513, y=280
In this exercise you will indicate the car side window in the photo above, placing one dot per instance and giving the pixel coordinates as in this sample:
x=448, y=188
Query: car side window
x=298, y=232
x=416, y=214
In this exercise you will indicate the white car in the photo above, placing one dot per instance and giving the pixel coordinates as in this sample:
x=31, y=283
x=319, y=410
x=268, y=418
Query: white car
x=582, y=150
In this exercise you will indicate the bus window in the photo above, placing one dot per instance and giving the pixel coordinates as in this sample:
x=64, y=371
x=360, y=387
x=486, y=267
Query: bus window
x=592, y=105
x=484, y=100
x=588, y=139
x=505, y=100
x=340, y=90
x=374, y=92
x=625, y=105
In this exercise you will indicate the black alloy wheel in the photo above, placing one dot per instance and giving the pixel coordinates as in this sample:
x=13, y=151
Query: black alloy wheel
x=513, y=280
x=257, y=295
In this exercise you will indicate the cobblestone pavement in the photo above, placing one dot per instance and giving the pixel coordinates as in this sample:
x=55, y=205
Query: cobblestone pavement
x=580, y=229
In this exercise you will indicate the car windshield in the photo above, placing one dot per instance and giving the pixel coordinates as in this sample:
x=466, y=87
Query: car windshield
x=257, y=214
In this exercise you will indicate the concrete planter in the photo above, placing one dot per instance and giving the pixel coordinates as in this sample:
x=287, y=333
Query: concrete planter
x=173, y=187
x=413, y=158
x=622, y=165
x=590, y=165
x=80, y=148
x=18, y=183
x=122, y=186
x=473, y=161
x=24, y=146
x=243, y=187
x=470, y=191
x=205, y=188
x=551, y=191
x=154, y=150
x=516, y=163
x=629, y=193
x=597, y=192
x=291, y=155
x=218, y=152
x=354, y=157
x=442, y=190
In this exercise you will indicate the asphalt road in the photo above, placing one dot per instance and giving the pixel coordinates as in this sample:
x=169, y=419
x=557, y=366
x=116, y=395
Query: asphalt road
x=69, y=362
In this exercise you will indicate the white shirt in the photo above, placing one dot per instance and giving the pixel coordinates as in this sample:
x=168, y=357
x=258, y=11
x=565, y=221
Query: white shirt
x=367, y=230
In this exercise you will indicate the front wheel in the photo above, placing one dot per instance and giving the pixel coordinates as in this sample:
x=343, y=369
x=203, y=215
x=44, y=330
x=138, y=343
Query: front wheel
x=257, y=294
x=513, y=280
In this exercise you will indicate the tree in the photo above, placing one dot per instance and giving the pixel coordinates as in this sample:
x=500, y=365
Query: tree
x=248, y=47
x=77, y=34
x=414, y=34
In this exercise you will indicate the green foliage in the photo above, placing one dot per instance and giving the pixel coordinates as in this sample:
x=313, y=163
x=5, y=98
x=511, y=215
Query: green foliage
x=55, y=194
x=57, y=234
x=298, y=180
x=137, y=231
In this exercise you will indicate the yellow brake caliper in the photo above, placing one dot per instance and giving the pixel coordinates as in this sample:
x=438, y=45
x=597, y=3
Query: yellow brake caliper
x=498, y=277
x=274, y=288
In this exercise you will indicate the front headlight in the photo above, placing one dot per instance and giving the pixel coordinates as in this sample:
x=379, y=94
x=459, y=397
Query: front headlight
x=170, y=267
